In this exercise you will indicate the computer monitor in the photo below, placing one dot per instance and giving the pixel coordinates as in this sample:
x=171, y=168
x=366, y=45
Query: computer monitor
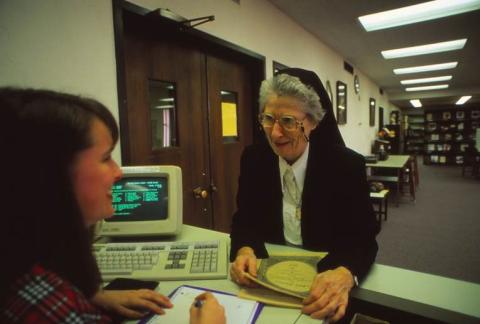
x=147, y=202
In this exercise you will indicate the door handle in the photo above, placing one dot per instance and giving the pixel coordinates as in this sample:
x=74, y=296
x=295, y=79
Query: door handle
x=199, y=192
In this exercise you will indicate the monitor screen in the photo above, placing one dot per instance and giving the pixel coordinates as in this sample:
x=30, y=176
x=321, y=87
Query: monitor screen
x=147, y=202
x=140, y=199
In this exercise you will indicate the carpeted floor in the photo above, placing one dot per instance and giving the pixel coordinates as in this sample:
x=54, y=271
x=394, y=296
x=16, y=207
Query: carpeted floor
x=439, y=233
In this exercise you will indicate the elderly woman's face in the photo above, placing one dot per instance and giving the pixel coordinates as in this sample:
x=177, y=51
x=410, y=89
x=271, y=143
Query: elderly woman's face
x=287, y=143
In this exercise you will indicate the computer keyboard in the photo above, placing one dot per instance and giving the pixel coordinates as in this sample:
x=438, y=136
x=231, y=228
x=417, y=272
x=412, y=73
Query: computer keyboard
x=162, y=260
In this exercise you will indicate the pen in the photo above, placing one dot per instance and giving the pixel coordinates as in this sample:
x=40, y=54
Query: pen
x=198, y=303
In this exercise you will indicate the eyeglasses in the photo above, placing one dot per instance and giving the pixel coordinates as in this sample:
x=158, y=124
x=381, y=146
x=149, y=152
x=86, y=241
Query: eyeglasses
x=287, y=122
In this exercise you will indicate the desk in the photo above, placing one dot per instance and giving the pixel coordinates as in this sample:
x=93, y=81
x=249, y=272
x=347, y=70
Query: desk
x=394, y=162
x=431, y=296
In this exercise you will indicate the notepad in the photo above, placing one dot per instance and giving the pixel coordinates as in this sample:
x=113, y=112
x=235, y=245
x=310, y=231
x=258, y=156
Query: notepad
x=237, y=310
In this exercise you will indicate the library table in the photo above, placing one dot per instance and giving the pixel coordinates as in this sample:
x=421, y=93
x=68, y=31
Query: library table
x=394, y=162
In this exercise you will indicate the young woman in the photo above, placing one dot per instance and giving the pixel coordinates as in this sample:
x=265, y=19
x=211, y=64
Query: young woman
x=58, y=173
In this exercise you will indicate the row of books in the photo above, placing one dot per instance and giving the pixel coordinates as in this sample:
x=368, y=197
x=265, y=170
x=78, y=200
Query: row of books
x=458, y=137
x=446, y=147
x=448, y=115
x=435, y=126
x=443, y=159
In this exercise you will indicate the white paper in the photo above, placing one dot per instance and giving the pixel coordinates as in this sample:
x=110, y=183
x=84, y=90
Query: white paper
x=237, y=310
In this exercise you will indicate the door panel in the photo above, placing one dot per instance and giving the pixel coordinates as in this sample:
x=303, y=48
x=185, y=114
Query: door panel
x=145, y=61
x=209, y=161
x=225, y=155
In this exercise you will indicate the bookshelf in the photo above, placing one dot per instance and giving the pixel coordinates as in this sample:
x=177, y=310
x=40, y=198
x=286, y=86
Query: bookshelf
x=414, y=136
x=448, y=133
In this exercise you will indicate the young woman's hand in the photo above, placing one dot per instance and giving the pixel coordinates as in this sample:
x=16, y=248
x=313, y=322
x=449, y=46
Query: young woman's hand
x=210, y=311
x=132, y=303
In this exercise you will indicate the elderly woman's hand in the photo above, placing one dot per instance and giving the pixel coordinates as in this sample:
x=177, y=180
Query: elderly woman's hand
x=132, y=303
x=246, y=261
x=328, y=296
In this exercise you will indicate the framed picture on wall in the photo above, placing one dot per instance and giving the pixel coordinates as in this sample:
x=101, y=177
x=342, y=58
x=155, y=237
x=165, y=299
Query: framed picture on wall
x=371, y=106
x=380, y=118
x=394, y=117
x=341, y=103
x=328, y=88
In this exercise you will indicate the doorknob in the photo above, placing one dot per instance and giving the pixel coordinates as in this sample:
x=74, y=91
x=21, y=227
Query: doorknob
x=199, y=192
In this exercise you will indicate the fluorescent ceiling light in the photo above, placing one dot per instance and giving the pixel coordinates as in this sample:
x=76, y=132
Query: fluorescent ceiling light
x=416, y=103
x=421, y=12
x=425, y=49
x=426, y=68
x=427, y=80
x=434, y=87
x=463, y=100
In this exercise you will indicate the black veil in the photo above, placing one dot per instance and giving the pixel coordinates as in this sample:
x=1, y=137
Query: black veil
x=327, y=131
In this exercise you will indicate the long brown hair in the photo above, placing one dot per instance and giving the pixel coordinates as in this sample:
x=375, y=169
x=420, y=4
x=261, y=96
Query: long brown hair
x=40, y=133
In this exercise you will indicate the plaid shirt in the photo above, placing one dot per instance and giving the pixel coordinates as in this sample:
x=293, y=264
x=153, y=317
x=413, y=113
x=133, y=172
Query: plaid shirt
x=41, y=296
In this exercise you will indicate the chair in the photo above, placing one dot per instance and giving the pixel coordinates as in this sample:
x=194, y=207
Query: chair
x=471, y=162
x=415, y=171
x=409, y=176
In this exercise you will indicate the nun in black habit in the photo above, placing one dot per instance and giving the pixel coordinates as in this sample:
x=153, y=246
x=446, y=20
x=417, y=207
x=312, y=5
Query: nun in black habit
x=325, y=206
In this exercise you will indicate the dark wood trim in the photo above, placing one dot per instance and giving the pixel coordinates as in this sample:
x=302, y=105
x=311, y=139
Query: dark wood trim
x=117, y=6
x=195, y=33
x=212, y=44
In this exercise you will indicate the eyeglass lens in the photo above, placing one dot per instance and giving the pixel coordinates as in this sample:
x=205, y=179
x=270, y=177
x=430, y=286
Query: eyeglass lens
x=285, y=121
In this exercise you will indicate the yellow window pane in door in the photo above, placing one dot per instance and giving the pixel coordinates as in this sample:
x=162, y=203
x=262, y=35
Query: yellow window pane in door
x=229, y=116
x=229, y=119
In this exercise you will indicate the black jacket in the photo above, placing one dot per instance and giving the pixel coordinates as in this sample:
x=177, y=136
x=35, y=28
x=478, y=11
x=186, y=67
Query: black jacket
x=337, y=216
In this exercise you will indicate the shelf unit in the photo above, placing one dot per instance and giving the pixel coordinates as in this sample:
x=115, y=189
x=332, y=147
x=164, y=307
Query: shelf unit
x=448, y=133
x=414, y=136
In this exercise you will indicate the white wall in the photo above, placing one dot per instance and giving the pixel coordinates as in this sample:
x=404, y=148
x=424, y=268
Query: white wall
x=69, y=46
x=260, y=27
x=64, y=45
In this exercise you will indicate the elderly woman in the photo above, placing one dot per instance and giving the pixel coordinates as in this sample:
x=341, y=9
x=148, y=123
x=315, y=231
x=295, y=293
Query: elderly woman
x=304, y=188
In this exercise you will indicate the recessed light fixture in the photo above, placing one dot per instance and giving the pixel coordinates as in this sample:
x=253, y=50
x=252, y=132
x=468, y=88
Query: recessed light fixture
x=425, y=49
x=434, y=87
x=463, y=100
x=426, y=68
x=427, y=80
x=421, y=12
x=416, y=103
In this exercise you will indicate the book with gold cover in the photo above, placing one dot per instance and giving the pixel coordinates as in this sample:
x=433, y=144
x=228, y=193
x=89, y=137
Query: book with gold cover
x=284, y=279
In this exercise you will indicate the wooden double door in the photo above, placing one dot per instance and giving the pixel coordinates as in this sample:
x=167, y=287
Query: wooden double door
x=189, y=107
